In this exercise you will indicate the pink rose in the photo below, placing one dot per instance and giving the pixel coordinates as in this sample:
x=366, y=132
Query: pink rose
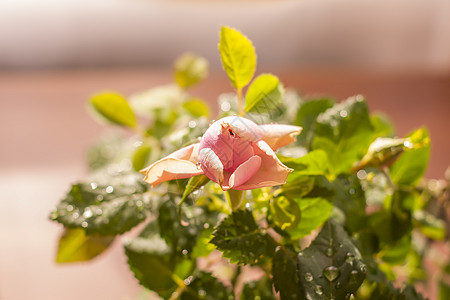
x=234, y=152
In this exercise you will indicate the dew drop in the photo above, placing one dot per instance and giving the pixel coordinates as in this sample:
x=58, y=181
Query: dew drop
x=184, y=252
x=75, y=215
x=201, y=293
x=109, y=189
x=99, y=211
x=338, y=285
x=349, y=258
x=318, y=290
x=87, y=213
x=343, y=113
x=408, y=144
x=206, y=225
x=363, y=268
x=247, y=205
x=361, y=174
x=187, y=281
x=329, y=252
x=84, y=224
x=99, y=197
x=54, y=215
x=139, y=203
x=94, y=185
x=257, y=298
x=309, y=277
x=192, y=124
x=69, y=208
x=352, y=191
x=331, y=273
x=300, y=254
x=225, y=106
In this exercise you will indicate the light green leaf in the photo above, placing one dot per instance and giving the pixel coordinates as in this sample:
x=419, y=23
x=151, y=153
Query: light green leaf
x=76, y=246
x=331, y=267
x=238, y=57
x=313, y=163
x=140, y=157
x=382, y=126
x=190, y=69
x=194, y=184
x=203, y=247
x=411, y=165
x=114, y=108
x=285, y=212
x=314, y=212
x=429, y=225
x=344, y=132
x=196, y=107
x=264, y=94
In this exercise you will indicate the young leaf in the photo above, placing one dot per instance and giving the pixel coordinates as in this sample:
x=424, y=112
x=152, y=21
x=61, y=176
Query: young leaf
x=313, y=163
x=344, y=133
x=205, y=286
x=75, y=246
x=240, y=239
x=104, y=209
x=196, y=107
x=238, y=57
x=331, y=267
x=285, y=279
x=194, y=184
x=140, y=157
x=190, y=69
x=114, y=108
x=314, y=212
x=264, y=94
x=411, y=165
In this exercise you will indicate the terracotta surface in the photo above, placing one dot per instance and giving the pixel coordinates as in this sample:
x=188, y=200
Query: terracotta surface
x=45, y=130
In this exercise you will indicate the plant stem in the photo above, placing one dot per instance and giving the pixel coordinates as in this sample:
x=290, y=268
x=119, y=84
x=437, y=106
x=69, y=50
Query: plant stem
x=239, y=95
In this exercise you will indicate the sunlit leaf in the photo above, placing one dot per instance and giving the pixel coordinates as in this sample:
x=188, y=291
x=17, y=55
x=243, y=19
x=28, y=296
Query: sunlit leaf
x=284, y=212
x=140, y=157
x=114, y=108
x=382, y=126
x=264, y=94
x=429, y=225
x=76, y=246
x=331, y=267
x=238, y=56
x=197, y=107
x=190, y=69
x=194, y=184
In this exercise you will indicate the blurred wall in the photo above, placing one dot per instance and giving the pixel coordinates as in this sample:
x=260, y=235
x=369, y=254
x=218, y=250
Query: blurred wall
x=386, y=34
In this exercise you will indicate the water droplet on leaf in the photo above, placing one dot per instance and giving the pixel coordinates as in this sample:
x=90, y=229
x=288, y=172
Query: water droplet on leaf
x=309, y=277
x=331, y=273
x=318, y=290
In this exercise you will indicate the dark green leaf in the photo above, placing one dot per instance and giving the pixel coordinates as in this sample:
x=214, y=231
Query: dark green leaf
x=141, y=157
x=261, y=289
x=204, y=286
x=75, y=246
x=411, y=165
x=344, y=133
x=306, y=117
x=196, y=107
x=190, y=69
x=104, y=209
x=444, y=291
x=284, y=212
x=284, y=272
x=264, y=94
x=238, y=56
x=240, y=239
x=114, y=108
x=331, y=267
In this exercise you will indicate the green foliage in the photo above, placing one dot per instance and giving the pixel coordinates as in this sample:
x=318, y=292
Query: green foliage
x=75, y=246
x=114, y=108
x=240, y=239
x=104, y=209
x=264, y=94
x=331, y=267
x=190, y=69
x=355, y=196
x=238, y=57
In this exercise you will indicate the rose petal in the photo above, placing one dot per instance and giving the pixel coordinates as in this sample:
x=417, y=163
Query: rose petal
x=271, y=172
x=245, y=171
x=180, y=164
x=278, y=135
x=242, y=151
x=211, y=165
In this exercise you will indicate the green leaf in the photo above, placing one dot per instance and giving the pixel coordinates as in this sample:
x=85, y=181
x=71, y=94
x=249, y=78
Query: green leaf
x=150, y=261
x=331, y=267
x=284, y=212
x=114, y=108
x=261, y=289
x=264, y=94
x=76, y=246
x=429, y=225
x=205, y=286
x=105, y=209
x=313, y=163
x=382, y=126
x=306, y=117
x=397, y=253
x=314, y=212
x=444, y=291
x=197, y=107
x=284, y=272
x=411, y=165
x=240, y=239
x=190, y=69
x=194, y=184
x=238, y=56
x=141, y=157
x=203, y=247
x=344, y=132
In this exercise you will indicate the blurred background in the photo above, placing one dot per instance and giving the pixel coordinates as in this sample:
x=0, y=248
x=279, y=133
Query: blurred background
x=54, y=54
